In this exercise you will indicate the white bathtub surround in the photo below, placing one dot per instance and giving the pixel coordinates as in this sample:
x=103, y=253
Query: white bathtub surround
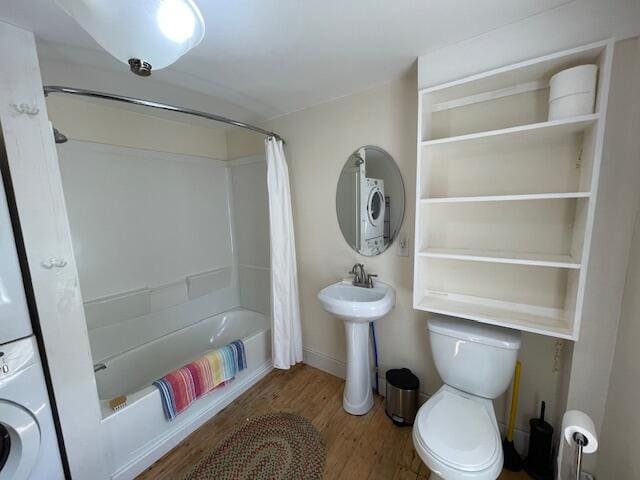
x=141, y=316
x=139, y=434
x=143, y=218
x=285, y=307
x=251, y=230
x=146, y=317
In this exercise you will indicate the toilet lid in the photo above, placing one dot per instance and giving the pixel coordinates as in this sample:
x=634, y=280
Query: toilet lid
x=458, y=431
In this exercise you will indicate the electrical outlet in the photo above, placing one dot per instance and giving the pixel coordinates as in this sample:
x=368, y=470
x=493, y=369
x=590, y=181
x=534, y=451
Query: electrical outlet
x=402, y=246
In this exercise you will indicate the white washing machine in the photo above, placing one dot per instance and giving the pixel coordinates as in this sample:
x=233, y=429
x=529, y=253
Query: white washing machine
x=28, y=443
x=14, y=317
x=372, y=216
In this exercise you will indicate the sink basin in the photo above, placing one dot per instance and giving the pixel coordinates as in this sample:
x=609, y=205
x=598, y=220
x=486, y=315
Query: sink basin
x=357, y=306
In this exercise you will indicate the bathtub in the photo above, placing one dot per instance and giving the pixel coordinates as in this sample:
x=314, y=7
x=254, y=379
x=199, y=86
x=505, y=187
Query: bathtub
x=139, y=434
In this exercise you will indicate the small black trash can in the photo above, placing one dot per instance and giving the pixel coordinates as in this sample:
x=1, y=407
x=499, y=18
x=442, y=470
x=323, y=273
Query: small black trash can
x=402, y=396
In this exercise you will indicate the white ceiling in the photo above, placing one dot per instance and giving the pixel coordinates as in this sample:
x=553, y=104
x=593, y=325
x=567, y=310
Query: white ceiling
x=264, y=58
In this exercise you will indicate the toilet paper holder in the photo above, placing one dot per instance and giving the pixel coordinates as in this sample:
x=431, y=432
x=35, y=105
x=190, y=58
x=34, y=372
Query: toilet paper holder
x=578, y=431
x=581, y=442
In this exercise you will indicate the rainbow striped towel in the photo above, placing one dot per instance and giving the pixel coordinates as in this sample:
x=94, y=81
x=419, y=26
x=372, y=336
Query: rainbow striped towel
x=181, y=387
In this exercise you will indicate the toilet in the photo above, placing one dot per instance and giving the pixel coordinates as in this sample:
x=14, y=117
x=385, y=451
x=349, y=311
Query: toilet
x=456, y=432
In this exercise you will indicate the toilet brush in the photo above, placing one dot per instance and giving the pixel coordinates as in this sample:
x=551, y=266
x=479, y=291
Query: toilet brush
x=512, y=460
x=539, y=464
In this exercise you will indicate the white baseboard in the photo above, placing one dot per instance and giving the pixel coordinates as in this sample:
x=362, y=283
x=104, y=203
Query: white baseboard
x=324, y=362
x=337, y=368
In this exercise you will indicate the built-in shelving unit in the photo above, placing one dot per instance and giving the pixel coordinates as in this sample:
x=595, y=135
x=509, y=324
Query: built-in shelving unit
x=491, y=256
x=505, y=198
x=516, y=134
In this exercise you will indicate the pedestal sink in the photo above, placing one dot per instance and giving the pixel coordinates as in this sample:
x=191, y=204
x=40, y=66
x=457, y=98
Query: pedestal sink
x=357, y=306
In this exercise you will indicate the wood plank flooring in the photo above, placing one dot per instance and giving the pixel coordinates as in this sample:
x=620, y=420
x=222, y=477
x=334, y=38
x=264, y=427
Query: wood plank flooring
x=367, y=447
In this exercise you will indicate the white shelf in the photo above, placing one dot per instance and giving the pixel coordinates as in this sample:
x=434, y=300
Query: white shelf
x=529, y=318
x=507, y=198
x=484, y=143
x=537, y=69
x=517, y=134
x=514, y=258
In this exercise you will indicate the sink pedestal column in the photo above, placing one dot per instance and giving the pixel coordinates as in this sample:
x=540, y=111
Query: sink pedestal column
x=358, y=397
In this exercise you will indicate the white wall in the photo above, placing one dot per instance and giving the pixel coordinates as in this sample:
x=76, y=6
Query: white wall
x=571, y=24
x=251, y=218
x=319, y=141
x=618, y=197
x=620, y=437
x=81, y=119
x=141, y=218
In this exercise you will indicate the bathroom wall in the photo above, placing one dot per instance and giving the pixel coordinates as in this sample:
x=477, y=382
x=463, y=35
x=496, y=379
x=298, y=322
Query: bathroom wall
x=103, y=123
x=618, y=197
x=318, y=142
x=620, y=434
x=251, y=214
x=569, y=25
x=243, y=143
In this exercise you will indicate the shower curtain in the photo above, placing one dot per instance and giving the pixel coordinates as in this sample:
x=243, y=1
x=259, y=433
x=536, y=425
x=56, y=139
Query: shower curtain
x=285, y=307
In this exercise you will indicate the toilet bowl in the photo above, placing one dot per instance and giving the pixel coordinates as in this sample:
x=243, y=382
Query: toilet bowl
x=455, y=432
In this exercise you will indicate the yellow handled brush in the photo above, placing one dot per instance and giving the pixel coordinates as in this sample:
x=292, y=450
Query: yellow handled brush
x=512, y=460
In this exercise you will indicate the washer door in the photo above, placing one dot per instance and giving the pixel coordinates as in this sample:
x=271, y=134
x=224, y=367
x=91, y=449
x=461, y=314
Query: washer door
x=19, y=441
x=375, y=207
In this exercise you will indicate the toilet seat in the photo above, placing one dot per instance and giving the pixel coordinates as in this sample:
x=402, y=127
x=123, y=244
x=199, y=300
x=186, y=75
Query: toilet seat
x=456, y=435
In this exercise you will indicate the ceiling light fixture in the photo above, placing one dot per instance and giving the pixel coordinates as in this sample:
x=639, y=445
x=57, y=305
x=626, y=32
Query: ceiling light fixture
x=144, y=34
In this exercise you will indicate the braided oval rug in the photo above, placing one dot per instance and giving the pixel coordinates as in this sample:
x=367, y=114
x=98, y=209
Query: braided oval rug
x=275, y=446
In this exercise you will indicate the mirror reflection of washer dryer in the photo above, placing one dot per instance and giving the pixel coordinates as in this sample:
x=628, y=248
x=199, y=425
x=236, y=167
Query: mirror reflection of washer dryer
x=372, y=216
x=370, y=200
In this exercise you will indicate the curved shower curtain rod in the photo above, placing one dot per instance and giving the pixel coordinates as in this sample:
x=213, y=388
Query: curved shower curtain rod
x=162, y=106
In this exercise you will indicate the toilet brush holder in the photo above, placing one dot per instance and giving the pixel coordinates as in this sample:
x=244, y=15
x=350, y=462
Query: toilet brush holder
x=539, y=462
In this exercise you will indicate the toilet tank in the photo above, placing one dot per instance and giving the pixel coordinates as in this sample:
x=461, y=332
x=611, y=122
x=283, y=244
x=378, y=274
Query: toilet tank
x=473, y=357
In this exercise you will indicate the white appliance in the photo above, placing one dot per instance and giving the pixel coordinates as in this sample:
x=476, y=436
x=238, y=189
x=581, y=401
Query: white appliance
x=372, y=206
x=28, y=444
x=14, y=316
x=456, y=432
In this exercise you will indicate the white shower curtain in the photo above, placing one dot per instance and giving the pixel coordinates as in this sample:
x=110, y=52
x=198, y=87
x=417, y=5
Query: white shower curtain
x=285, y=307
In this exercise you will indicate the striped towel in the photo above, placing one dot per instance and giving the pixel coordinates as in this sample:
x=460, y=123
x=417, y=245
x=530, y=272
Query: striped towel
x=181, y=387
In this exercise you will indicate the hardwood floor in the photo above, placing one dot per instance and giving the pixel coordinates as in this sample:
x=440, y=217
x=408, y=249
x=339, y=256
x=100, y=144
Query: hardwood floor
x=367, y=447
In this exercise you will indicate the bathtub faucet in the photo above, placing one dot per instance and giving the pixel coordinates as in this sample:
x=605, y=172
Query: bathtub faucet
x=99, y=366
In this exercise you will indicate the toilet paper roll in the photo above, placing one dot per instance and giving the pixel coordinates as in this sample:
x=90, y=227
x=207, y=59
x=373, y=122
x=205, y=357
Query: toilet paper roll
x=575, y=421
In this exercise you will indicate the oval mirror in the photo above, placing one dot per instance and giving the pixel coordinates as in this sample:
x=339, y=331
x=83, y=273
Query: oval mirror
x=370, y=200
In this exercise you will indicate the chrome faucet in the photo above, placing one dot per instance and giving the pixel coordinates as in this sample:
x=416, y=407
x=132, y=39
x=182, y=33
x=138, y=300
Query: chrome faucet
x=360, y=276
